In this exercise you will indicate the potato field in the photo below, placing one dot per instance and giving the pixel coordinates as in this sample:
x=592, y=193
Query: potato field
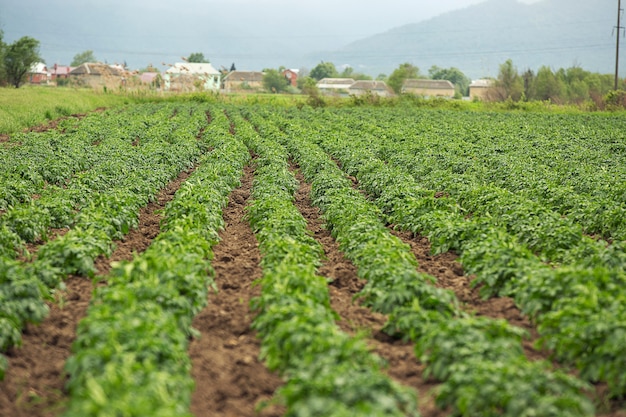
x=211, y=259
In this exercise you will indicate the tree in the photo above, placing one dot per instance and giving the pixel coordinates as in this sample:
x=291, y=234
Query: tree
x=83, y=57
x=324, y=70
x=454, y=75
x=197, y=57
x=2, y=52
x=403, y=72
x=548, y=86
x=509, y=84
x=274, y=81
x=19, y=58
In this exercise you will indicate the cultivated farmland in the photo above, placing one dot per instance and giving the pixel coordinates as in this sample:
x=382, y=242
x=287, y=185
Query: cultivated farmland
x=189, y=258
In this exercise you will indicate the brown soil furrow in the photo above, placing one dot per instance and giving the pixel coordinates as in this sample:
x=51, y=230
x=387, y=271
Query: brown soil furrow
x=34, y=385
x=400, y=357
x=449, y=274
x=230, y=379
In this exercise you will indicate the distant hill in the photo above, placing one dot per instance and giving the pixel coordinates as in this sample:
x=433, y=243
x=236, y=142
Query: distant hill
x=477, y=39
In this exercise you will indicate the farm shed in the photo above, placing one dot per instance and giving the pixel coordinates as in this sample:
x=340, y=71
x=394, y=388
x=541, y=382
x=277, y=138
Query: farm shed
x=428, y=88
x=379, y=88
x=192, y=76
x=237, y=81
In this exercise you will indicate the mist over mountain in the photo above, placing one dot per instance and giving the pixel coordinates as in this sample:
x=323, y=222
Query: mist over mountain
x=475, y=36
x=477, y=39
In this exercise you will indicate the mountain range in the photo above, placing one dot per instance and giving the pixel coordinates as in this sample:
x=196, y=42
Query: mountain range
x=268, y=34
x=477, y=39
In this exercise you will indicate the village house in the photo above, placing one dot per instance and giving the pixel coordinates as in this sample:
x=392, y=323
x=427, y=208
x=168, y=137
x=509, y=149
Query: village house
x=292, y=76
x=428, y=88
x=478, y=89
x=60, y=72
x=192, y=76
x=96, y=75
x=335, y=86
x=38, y=74
x=379, y=88
x=242, y=81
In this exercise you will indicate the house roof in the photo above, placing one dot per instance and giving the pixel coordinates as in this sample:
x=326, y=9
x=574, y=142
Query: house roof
x=329, y=82
x=244, y=76
x=372, y=85
x=148, y=77
x=61, y=69
x=197, y=68
x=428, y=84
x=92, y=68
x=482, y=83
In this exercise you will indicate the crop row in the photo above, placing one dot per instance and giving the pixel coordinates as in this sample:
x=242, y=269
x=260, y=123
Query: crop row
x=471, y=355
x=131, y=351
x=129, y=177
x=573, y=165
x=579, y=308
x=327, y=372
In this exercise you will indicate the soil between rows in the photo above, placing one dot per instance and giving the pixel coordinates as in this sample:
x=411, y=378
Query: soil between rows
x=229, y=377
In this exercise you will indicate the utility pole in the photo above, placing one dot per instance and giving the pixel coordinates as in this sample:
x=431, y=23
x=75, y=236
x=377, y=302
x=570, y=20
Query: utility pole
x=619, y=30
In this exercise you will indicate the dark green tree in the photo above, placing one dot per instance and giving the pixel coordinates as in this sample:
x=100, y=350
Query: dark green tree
x=197, y=57
x=403, y=72
x=454, y=75
x=19, y=58
x=324, y=70
x=83, y=57
x=274, y=81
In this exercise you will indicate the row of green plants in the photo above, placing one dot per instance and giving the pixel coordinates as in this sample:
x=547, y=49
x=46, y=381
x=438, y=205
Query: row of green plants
x=132, y=177
x=327, y=372
x=60, y=173
x=130, y=356
x=578, y=307
x=480, y=361
x=572, y=164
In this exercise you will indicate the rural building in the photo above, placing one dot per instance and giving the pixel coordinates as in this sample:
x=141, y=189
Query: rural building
x=379, y=88
x=478, y=89
x=60, y=72
x=91, y=74
x=242, y=81
x=292, y=76
x=38, y=74
x=428, y=88
x=335, y=86
x=192, y=76
x=151, y=78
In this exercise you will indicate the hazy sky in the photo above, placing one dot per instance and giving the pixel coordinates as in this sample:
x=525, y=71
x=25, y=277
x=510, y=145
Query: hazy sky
x=253, y=32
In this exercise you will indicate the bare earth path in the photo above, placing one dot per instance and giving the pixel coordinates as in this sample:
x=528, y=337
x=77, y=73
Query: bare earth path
x=230, y=379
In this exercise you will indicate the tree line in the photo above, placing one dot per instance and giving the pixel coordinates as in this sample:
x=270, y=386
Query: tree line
x=572, y=85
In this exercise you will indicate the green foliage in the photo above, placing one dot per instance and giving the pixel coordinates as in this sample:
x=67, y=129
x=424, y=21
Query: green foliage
x=403, y=72
x=197, y=57
x=324, y=70
x=274, y=81
x=19, y=58
x=83, y=58
x=454, y=75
